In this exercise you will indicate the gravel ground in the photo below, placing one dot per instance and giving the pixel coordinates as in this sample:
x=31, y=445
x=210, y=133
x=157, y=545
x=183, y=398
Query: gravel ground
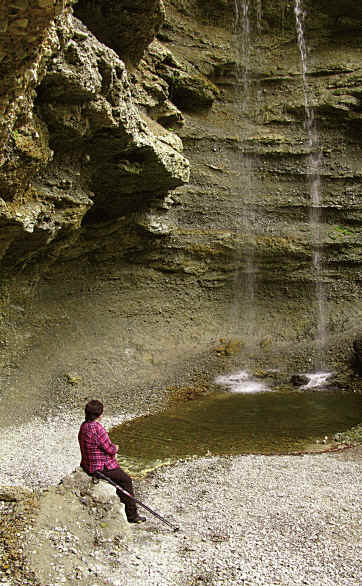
x=257, y=520
x=252, y=520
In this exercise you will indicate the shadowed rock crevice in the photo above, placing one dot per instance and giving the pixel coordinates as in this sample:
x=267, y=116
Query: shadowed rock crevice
x=127, y=27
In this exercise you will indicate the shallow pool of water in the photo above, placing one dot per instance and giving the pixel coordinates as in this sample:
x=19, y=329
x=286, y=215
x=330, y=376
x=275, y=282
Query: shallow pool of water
x=227, y=423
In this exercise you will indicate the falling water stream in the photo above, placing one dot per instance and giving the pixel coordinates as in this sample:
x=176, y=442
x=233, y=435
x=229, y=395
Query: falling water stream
x=243, y=308
x=242, y=34
x=313, y=164
x=259, y=14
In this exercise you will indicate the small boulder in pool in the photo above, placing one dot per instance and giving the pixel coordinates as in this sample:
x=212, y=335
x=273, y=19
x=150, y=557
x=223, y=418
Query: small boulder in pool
x=299, y=379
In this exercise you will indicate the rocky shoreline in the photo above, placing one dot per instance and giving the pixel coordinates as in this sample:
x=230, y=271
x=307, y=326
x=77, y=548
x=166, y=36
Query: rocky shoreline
x=243, y=520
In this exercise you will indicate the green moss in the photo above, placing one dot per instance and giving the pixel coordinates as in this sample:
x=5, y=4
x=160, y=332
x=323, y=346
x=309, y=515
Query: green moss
x=340, y=232
x=32, y=142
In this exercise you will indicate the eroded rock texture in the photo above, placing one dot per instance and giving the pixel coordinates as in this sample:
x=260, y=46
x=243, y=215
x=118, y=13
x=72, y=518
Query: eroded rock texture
x=74, y=140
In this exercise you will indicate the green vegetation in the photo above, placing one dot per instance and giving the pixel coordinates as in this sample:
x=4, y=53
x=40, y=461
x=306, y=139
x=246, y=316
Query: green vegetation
x=351, y=436
x=339, y=232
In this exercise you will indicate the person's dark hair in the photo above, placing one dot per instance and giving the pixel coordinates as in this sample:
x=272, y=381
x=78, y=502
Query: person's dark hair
x=93, y=409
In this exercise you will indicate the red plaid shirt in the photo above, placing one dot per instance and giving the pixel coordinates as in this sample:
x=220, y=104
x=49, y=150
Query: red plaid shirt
x=96, y=447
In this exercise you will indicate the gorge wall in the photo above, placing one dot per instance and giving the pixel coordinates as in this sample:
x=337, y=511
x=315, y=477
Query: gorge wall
x=123, y=203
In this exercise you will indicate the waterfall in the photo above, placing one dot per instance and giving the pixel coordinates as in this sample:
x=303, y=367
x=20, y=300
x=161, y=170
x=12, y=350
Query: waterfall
x=242, y=34
x=259, y=14
x=243, y=309
x=313, y=172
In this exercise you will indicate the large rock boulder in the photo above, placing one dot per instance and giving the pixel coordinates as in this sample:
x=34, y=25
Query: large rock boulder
x=299, y=379
x=75, y=520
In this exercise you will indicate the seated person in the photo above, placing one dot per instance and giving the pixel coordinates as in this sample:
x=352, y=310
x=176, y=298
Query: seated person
x=98, y=454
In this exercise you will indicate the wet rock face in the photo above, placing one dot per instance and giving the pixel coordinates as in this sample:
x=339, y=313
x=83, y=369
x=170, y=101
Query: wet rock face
x=250, y=165
x=347, y=9
x=335, y=14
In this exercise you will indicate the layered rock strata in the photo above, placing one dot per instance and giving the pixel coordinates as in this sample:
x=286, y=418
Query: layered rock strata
x=95, y=181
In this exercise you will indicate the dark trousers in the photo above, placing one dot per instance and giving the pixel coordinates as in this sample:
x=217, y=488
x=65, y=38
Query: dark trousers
x=124, y=481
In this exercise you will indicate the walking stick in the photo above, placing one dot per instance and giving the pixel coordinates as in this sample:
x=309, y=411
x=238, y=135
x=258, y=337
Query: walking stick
x=104, y=477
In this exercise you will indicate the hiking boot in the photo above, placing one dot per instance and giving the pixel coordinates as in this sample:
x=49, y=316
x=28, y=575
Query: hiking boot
x=137, y=519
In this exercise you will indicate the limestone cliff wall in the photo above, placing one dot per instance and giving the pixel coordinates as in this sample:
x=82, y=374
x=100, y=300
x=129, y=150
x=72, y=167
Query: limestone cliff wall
x=249, y=193
x=106, y=109
x=72, y=137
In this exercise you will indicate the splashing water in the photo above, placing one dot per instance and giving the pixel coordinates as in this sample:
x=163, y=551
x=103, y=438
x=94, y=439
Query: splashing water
x=240, y=382
x=317, y=379
x=314, y=163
